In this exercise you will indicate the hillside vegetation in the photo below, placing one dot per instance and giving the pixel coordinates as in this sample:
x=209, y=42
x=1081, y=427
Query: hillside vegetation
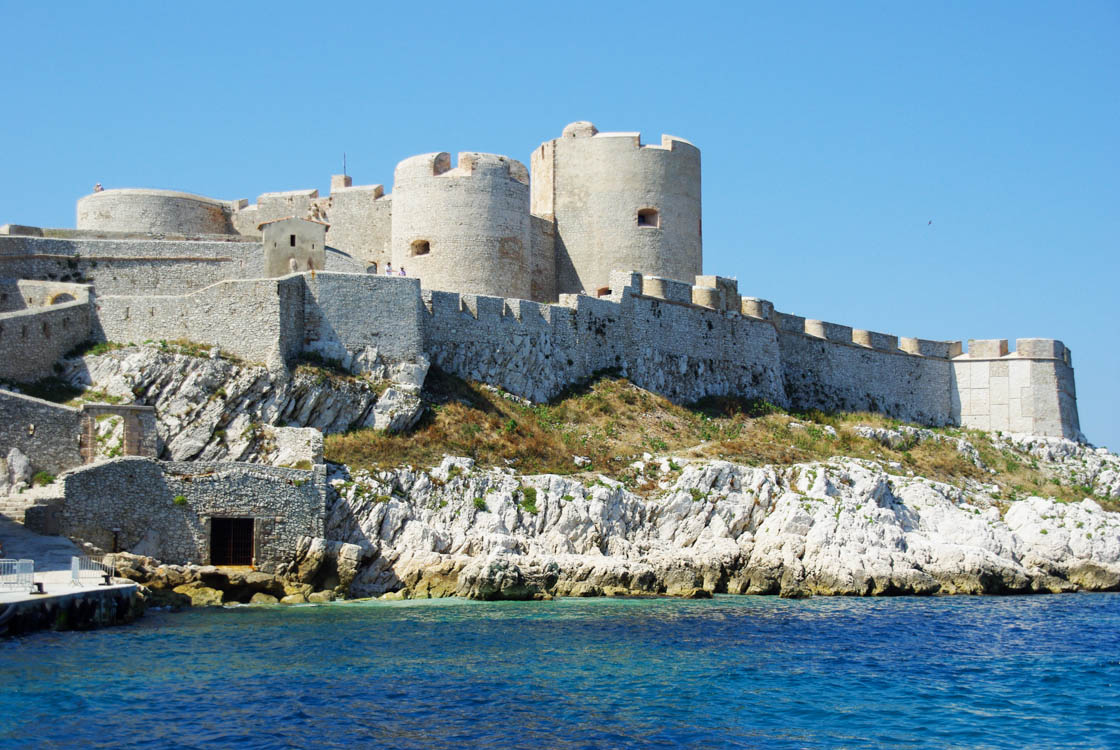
x=611, y=423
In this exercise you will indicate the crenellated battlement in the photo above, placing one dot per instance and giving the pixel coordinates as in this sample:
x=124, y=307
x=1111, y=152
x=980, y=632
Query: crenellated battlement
x=470, y=164
x=584, y=129
x=981, y=349
x=842, y=334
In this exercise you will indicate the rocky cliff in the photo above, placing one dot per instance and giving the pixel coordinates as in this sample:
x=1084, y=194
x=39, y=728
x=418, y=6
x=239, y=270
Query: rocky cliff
x=212, y=408
x=844, y=526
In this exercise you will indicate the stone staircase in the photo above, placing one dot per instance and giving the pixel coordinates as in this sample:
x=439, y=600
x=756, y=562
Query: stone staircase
x=15, y=505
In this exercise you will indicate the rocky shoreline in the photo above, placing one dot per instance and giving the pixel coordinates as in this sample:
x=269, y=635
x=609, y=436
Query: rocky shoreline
x=842, y=527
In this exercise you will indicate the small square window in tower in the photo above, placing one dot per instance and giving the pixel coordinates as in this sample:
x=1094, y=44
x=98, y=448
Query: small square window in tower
x=421, y=247
x=648, y=217
x=231, y=541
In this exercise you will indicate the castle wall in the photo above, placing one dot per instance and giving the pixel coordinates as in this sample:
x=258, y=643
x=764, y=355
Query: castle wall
x=536, y=351
x=32, y=340
x=22, y=294
x=596, y=184
x=346, y=313
x=249, y=319
x=154, y=212
x=825, y=368
x=1030, y=390
x=686, y=352
x=130, y=266
x=131, y=502
x=463, y=229
x=529, y=349
x=46, y=433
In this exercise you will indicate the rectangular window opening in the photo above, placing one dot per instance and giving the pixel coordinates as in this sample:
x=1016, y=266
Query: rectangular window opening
x=648, y=217
x=421, y=247
x=292, y=240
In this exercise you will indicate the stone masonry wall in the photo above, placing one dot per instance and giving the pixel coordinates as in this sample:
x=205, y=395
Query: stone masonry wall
x=21, y=294
x=535, y=351
x=32, y=340
x=831, y=375
x=44, y=432
x=346, y=313
x=131, y=503
x=130, y=266
x=242, y=317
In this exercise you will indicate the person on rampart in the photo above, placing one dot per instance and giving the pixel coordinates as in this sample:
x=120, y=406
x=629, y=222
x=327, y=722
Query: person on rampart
x=402, y=272
x=388, y=269
x=97, y=188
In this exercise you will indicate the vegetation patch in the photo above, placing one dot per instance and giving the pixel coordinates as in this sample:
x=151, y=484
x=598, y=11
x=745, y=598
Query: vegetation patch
x=615, y=422
x=41, y=478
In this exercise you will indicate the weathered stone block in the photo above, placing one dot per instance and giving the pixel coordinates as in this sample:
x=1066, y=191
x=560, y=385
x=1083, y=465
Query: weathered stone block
x=1040, y=348
x=987, y=348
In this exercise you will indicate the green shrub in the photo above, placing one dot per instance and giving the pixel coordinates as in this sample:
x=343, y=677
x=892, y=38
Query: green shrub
x=480, y=504
x=180, y=500
x=42, y=477
x=529, y=499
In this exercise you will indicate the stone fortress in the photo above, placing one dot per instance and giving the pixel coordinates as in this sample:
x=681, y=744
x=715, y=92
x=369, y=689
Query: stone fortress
x=531, y=282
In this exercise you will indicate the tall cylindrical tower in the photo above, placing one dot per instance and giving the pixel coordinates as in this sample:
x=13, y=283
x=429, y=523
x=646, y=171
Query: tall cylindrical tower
x=619, y=205
x=464, y=229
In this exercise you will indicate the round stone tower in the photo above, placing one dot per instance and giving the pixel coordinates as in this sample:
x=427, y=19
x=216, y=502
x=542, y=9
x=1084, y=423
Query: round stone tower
x=463, y=229
x=154, y=212
x=618, y=205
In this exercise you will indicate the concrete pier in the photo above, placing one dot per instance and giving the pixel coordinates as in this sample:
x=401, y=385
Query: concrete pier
x=64, y=605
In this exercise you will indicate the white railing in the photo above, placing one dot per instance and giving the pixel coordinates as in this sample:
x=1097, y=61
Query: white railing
x=87, y=569
x=17, y=575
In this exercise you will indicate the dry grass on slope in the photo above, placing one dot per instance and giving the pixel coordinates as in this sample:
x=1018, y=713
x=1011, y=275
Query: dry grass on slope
x=613, y=422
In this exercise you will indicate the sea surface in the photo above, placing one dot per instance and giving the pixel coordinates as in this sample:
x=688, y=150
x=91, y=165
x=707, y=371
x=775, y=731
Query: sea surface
x=741, y=672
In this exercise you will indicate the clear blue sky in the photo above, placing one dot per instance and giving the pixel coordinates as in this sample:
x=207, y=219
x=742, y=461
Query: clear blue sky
x=832, y=133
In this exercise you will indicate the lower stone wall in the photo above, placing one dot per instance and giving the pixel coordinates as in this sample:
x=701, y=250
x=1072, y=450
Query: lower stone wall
x=832, y=376
x=346, y=313
x=32, y=340
x=250, y=319
x=44, y=432
x=164, y=509
x=133, y=265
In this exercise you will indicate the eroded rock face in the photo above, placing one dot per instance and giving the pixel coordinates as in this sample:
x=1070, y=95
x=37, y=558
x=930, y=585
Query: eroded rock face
x=1070, y=462
x=213, y=409
x=841, y=527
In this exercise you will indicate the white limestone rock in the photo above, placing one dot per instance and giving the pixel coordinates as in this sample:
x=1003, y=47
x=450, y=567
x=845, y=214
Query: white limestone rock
x=19, y=468
x=395, y=411
x=839, y=527
x=215, y=409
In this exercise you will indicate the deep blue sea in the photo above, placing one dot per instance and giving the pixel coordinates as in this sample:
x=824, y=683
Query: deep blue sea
x=743, y=672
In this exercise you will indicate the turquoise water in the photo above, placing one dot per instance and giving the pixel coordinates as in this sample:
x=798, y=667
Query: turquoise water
x=744, y=672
